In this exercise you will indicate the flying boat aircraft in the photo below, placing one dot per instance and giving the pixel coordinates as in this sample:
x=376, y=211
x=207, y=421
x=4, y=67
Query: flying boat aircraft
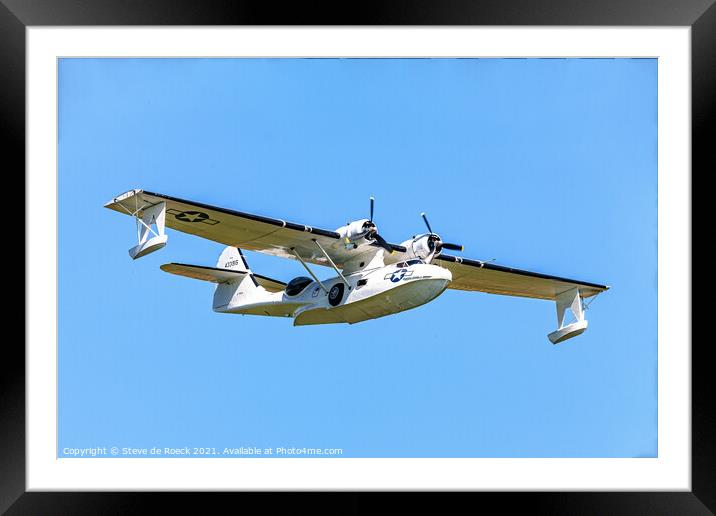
x=374, y=278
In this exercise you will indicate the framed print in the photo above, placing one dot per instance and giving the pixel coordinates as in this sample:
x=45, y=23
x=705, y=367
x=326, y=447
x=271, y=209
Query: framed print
x=542, y=160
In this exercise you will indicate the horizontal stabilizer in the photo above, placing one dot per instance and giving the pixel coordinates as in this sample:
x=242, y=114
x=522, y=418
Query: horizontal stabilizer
x=215, y=275
x=202, y=273
x=269, y=284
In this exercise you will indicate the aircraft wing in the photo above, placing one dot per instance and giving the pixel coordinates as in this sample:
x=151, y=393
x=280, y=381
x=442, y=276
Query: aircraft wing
x=234, y=228
x=496, y=279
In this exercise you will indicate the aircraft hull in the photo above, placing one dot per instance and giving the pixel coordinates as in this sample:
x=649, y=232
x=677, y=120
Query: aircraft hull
x=369, y=295
x=397, y=299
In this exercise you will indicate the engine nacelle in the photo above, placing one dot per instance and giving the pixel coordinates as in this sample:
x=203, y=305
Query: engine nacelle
x=423, y=247
x=355, y=232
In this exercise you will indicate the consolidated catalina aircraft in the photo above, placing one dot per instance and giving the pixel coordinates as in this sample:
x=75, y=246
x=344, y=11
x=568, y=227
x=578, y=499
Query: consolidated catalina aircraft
x=373, y=279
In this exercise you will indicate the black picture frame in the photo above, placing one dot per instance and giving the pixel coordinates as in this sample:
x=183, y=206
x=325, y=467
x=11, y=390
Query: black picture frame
x=16, y=15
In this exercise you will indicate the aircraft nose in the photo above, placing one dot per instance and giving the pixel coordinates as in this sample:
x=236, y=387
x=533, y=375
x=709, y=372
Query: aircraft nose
x=441, y=272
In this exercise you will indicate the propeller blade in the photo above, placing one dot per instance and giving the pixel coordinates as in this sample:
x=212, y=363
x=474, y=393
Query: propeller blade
x=372, y=202
x=452, y=247
x=435, y=238
x=382, y=243
x=425, y=218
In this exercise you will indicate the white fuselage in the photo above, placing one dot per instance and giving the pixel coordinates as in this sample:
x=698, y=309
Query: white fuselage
x=369, y=293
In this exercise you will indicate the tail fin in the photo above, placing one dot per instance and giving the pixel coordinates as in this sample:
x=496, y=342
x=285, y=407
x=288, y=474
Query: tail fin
x=241, y=291
x=232, y=258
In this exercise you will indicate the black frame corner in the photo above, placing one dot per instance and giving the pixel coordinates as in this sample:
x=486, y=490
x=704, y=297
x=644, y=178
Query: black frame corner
x=16, y=15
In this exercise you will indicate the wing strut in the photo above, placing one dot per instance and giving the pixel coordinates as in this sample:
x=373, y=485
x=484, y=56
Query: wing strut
x=293, y=250
x=343, y=279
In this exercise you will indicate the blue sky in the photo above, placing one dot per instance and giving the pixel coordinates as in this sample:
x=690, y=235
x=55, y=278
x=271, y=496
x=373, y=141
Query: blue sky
x=543, y=164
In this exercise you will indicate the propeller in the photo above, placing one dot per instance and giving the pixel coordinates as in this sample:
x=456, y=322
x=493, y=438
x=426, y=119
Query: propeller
x=435, y=240
x=373, y=230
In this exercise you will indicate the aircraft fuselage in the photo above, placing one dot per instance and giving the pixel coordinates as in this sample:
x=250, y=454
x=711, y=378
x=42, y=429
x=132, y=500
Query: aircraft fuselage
x=368, y=294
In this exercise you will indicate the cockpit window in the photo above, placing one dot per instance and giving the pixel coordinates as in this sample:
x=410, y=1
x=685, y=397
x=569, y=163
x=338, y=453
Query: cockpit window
x=297, y=285
x=408, y=263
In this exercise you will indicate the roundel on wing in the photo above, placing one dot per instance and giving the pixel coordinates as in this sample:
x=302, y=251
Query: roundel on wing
x=335, y=295
x=191, y=216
